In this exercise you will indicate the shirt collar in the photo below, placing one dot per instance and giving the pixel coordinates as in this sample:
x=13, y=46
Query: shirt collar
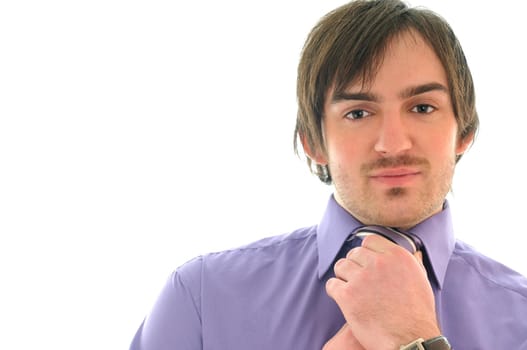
x=436, y=234
x=334, y=228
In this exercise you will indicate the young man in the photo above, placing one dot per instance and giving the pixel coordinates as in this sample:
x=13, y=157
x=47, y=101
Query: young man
x=386, y=109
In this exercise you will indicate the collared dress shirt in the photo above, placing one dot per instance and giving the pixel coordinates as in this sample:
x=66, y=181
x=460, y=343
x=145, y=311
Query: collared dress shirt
x=270, y=295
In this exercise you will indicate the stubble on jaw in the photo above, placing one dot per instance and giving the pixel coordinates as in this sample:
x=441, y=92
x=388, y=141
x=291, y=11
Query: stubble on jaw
x=391, y=207
x=396, y=207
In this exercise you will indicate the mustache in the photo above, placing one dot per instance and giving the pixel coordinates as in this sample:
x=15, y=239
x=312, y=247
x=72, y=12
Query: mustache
x=393, y=162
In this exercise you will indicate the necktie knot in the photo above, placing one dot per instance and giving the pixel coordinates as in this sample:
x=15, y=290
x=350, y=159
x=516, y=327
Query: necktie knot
x=408, y=241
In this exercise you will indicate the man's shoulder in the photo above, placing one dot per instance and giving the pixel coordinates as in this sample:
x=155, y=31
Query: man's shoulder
x=269, y=249
x=489, y=270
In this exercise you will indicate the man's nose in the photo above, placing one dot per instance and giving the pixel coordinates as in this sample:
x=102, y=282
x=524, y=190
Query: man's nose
x=393, y=135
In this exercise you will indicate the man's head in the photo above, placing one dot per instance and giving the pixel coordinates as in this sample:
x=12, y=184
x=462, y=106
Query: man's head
x=349, y=43
x=386, y=108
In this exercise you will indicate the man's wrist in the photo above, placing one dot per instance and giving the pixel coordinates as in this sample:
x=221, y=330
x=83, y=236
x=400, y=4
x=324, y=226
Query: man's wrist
x=436, y=343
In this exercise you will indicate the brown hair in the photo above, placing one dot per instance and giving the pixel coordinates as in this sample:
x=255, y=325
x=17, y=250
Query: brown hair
x=348, y=44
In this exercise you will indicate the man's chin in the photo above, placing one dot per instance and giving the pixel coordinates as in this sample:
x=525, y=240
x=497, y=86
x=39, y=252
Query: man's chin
x=398, y=211
x=396, y=192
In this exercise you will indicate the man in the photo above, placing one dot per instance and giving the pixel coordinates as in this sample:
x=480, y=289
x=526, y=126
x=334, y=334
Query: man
x=386, y=109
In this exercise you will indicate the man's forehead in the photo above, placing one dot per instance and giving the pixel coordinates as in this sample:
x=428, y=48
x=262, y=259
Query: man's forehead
x=363, y=78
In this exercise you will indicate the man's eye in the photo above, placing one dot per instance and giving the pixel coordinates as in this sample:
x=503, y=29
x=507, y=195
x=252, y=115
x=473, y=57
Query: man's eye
x=423, y=108
x=357, y=114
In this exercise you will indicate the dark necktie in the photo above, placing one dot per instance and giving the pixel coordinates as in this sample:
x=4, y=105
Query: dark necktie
x=407, y=240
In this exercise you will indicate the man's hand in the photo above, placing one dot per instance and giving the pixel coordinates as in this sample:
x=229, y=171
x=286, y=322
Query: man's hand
x=384, y=295
x=343, y=340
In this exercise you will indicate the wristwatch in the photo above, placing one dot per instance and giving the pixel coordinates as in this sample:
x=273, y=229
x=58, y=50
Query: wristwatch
x=437, y=343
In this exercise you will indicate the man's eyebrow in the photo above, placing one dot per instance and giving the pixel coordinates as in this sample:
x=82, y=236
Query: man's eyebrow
x=347, y=96
x=406, y=93
x=421, y=89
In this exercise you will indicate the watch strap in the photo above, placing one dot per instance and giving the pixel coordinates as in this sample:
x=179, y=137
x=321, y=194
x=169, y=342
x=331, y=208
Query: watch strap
x=437, y=343
x=415, y=345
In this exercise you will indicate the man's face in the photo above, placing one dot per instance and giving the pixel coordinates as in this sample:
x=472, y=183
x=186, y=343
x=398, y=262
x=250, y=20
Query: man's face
x=391, y=145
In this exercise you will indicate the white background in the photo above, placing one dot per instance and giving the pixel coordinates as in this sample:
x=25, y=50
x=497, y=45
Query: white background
x=135, y=135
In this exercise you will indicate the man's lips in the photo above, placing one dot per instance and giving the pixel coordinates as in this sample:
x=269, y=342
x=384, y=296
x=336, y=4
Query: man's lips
x=394, y=172
x=395, y=176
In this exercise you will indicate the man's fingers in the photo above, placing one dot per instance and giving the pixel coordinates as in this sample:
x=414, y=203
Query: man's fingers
x=377, y=243
x=333, y=285
x=371, y=246
x=359, y=256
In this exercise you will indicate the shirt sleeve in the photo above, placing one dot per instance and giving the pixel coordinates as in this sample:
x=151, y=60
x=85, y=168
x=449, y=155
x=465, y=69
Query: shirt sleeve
x=174, y=321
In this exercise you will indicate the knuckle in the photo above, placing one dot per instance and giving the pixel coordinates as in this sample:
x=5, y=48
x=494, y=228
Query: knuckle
x=339, y=265
x=368, y=240
x=352, y=252
x=331, y=286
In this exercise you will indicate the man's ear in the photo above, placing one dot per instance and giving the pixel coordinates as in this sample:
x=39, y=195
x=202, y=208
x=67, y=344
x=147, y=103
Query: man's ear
x=316, y=155
x=464, y=144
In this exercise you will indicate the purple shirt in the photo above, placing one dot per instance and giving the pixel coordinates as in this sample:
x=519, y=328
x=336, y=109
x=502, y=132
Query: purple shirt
x=271, y=294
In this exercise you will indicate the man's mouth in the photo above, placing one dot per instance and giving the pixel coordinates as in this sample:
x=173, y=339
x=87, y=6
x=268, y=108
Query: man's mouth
x=395, y=176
